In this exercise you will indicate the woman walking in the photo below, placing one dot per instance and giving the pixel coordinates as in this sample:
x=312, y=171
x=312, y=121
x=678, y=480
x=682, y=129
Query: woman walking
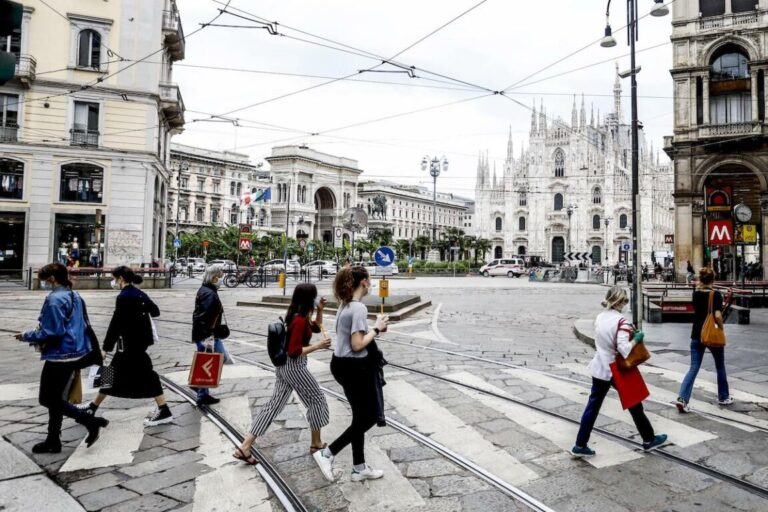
x=131, y=333
x=612, y=336
x=294, y=374
x=356, y=365
x=701, y=298
x=208, y=326
x=61, y=339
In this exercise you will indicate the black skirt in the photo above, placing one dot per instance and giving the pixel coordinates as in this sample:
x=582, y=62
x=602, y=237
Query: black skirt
x=134, y=376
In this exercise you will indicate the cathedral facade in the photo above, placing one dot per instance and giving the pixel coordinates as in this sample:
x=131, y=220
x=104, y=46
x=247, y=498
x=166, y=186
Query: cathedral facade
x=569, y=190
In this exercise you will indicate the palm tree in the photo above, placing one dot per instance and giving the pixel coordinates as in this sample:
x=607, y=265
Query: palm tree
x=482, y=246
x=469, y=244
x=421, y=244
x=365, y=246
x=402, y=248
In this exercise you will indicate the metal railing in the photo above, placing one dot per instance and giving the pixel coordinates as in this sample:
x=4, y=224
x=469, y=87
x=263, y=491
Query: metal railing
x=9, y=132
x=79, y=137
x=729, y=20
x=718, y=130
x=26, y=66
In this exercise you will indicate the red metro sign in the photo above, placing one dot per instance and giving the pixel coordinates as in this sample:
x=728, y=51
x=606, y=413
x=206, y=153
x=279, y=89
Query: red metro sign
x=720, y=232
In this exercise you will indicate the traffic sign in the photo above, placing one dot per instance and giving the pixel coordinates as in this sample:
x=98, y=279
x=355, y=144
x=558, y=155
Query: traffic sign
x=245, y=244
x=384, y=256
x=626, y=246
x=311, y=247
x=720, y=232
x=302, y=243
x=577, y=256
x=176, y=243
x=383, y=271
x=669, y=239
x=206, y=243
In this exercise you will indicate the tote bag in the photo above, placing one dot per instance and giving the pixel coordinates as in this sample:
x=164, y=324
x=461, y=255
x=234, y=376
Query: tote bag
x=636, y=357
x=711, y=334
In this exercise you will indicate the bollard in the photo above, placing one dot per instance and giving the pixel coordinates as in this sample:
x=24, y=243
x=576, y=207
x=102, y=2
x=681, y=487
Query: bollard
x=281, y=280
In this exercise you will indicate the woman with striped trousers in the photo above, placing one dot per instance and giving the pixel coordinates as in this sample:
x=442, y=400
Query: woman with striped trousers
x=294, y=374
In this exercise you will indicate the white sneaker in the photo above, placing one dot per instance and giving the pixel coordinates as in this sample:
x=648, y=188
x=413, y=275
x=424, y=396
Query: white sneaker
x=325, y=464
x=367, y=474
x=727, y=401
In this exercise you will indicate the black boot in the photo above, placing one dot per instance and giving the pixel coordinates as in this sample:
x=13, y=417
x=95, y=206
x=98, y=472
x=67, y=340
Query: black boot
x=48, y=446
x=93, y=424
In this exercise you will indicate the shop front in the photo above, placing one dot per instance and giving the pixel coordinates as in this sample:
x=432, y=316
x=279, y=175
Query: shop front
x=78, y=240
x=12, y=227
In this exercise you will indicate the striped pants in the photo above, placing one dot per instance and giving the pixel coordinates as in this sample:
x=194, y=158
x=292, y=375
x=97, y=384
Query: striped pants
x=293, y=376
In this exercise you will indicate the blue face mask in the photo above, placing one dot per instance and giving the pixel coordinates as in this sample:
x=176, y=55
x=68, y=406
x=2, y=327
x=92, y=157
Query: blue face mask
x=46, y=285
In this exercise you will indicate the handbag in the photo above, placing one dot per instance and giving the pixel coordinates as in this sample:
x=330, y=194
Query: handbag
x=712, y=335
x=637, y=356
x=104, y=377
x=629, y=385
x=221, y=331
x=205, y=371
x=75, y=395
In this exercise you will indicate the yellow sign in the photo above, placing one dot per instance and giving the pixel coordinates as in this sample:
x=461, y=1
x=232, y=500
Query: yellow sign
x=746, y=234
x=281, y=280
x=383, y=288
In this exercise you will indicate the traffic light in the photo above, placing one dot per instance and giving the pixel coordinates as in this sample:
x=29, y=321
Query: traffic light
x=10, y=22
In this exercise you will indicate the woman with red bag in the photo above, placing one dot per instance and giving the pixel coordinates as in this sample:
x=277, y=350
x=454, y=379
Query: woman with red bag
x=612, y=337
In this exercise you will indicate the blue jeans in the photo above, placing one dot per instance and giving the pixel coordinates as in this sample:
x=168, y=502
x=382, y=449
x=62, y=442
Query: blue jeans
x=218, y=347
x=697, y=355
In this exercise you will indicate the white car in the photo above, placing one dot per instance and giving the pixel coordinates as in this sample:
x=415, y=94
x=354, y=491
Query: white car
x=227, y=265
x=197, y=264
x=294, y=267
x=327, y=267
x=510, y=267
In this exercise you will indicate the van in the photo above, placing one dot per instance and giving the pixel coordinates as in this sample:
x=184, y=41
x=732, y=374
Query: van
x=510, y=267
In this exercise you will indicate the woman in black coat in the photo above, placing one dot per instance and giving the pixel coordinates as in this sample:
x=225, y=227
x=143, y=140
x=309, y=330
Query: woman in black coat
x=131, y=331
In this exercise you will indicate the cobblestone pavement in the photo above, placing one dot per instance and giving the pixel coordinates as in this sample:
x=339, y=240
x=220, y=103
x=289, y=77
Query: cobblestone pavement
x=525, y=326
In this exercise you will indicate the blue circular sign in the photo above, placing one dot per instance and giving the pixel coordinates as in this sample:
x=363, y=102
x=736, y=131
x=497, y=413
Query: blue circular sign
x=384, y=256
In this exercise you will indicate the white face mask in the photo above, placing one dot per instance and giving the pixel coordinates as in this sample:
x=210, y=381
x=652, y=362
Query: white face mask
x=46, y=285
x=115, y=285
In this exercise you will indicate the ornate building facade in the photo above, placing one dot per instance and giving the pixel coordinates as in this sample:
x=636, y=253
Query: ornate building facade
x=719, y=147
x=570, y=191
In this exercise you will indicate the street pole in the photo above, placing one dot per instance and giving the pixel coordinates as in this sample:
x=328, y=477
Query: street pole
x=636, y=228
x=435, y=174
x=570, y=212
x=285, y=245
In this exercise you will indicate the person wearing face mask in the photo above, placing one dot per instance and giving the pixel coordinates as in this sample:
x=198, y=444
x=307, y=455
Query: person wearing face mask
x=612, y=336
x=63, y=344
x=131, y=333
x=294, y=374
x=208, y=326
x=357, y=366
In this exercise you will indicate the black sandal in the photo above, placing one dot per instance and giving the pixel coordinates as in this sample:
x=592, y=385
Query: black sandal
x=313, y=449
x=250, y=459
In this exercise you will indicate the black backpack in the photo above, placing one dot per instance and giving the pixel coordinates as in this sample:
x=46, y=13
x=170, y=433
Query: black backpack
x=277, y=339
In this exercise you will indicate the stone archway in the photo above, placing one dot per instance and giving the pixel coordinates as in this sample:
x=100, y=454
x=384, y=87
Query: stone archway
x=558, y=249
x=325, y=205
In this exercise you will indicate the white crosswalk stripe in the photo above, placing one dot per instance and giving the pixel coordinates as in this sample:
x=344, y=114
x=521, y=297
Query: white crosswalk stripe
x=659, y=393
x=680, y=434
x=12, y=392
x=560, y=432
x=432, y=419
x=705, y=381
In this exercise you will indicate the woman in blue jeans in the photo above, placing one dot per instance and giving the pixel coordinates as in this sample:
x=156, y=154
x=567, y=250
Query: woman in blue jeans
x=208, y=327
x=701, y=310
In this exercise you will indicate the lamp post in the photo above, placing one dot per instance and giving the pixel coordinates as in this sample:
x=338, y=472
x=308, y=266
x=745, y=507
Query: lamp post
x=434, y=167
x=658, y=10
x=571, y=208
x=607, y=220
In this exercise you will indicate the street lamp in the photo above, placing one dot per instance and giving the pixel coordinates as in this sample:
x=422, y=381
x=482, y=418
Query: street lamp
x=659, y=9
x=434, y=167
x=571, y=208
x=607, y=220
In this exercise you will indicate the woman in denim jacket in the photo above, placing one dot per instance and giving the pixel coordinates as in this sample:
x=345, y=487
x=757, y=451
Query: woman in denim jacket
x=62, y=341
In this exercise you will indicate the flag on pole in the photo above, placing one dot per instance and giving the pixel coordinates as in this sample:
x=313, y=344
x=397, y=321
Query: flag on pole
x=267, y=195
x=246, y=198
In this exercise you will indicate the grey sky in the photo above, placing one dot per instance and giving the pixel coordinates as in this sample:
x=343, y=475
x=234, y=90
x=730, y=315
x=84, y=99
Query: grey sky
x=494, y=46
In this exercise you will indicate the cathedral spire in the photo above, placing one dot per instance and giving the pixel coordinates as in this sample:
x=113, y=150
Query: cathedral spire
x=542, y=119
x=574, y=116
x=480, y=174
x=494, y=174
x=617, y=96
x=592, y=118
x=583, y=120
x=534, y=123
x=510, y=148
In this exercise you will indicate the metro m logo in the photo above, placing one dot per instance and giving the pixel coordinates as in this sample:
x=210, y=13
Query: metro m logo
x=720, y=232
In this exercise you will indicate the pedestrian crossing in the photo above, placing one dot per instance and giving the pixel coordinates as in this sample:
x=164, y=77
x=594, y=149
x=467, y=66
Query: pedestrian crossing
x=705, y=381
x=12, y=392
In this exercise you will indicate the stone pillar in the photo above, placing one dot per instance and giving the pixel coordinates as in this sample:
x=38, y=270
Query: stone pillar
x=683, y=236
x=705, y=101
x=764, y=234
x=753, y=79
x=697, y=226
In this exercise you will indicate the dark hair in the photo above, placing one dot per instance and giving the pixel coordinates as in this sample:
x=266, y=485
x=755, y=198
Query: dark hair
x=128, y=275
x=706, y=276
x=57, y=271
x=302, y=301
x=347, y=281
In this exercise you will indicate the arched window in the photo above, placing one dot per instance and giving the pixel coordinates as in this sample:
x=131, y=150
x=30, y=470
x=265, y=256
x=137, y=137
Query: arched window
x=83, y=183
x=498, y=223
x=233, y=214
x=262, y=217
x=251, y=214
x=558, y=202
x=239, y=189
x=559, y=163
x=597, y=195
x=730, y=96
x=596, y=222
x=214, y=216
x=521, y=224
x=523, y=199
x=11, y=179
x=232, y=189
x=596, y=255
x=623, y=221
x=89, y=49
x=498, y=252
x=200, y=215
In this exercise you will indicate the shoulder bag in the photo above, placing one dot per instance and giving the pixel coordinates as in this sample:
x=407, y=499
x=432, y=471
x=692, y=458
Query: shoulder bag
x=636, y=357
x=712, y=335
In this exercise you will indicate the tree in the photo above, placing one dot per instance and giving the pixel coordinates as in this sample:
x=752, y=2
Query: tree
x=482, y=246
x=421, y=244
x=365, y=246
x=470, y=245
x=402, y=248
x=380, y=236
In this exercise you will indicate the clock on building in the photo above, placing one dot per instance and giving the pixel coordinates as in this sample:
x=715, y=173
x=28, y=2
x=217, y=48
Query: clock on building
x=742, y=212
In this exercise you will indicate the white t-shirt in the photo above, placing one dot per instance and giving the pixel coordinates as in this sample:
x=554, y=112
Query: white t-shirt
x=350, y=318
x=608, y=340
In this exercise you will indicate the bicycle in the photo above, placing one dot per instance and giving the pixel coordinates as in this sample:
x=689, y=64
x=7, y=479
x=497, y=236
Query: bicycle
x=249, y=277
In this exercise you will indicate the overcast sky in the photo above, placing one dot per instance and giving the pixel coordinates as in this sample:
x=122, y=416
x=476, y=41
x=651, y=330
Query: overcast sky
x=498, y=44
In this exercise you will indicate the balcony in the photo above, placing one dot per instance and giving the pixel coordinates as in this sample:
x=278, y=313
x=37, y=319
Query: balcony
x=25, y=69
x=9, y=132
x=557, y=215
x=729, y=20
x=730, y=130
x=172, y=104
x=85, y=138
x=173, y=34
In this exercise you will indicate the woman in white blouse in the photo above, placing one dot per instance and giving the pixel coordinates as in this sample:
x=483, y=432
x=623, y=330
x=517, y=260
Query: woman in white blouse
x=612, y=336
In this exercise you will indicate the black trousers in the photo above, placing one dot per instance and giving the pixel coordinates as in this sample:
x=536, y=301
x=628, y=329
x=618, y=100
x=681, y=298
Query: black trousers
x=599, y=390
x=54, y=388
x=357, y=378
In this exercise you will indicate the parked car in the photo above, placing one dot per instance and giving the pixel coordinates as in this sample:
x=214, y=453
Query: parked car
x=183, y=264
x=294, y=267
x=510, y=267
x=327, y=267
x=227, y=265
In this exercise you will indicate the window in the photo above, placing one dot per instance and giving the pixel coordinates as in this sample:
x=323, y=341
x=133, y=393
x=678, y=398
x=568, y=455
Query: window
x=523, y=199
x=9, y=117
x=596, y=222
x=200, y=184
x=11, y=179
x=623, y=221
x=83, y=183
x=521, y=224
x=182, y=213
x=262, y=217
x=738, y=6
x=184, y=182
x=85, y=128
x=498, y=223
x=730, y=95
x=730, y=66
x=89, y=49
x=11, y=44
x=199, y=215
x=239, y=189
x=214, y=216
x=597, y=196
x=559, y=163
x=232, y=189
x=233, y=213
x=558, y=202
x=713, y=7
x=216, y=186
